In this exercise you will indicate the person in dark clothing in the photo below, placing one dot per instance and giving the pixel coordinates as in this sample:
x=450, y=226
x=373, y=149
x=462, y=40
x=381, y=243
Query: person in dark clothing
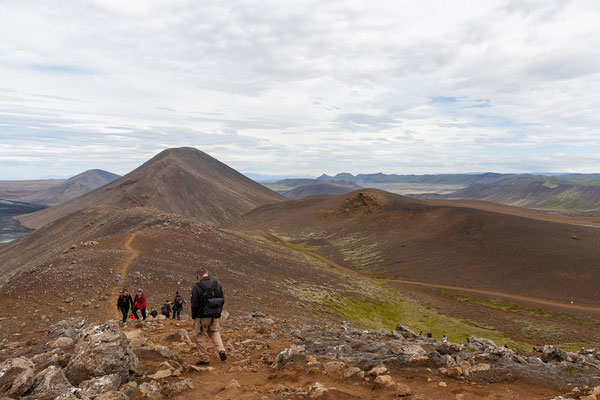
x=166, y=309
x=178, y=302
x=139, y=303
x=207, y=303
x=123, y=304
x=154, y=313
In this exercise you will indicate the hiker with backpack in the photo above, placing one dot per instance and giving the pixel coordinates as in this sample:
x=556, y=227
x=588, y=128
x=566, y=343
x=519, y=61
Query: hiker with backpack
x=207, y=304
x=166, y=309
x=177, y=305
x=139, y=304
x=123, y=303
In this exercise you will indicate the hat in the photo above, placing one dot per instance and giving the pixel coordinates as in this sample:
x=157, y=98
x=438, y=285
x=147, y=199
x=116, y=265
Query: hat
x=139, y=290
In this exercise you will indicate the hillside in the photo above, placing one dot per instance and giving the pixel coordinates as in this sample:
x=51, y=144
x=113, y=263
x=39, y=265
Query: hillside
x=445, y=246
x=183, y=181
x=19, y=190
x=536, y=194
x=71, y=188
x=321, y=188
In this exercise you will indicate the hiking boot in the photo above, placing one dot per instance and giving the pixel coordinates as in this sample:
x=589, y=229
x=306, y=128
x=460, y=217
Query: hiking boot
x=202, y=362
x=223, y=355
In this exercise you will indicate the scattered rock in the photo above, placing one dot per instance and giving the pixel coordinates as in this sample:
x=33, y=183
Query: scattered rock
x=335, y=368
x=16, y=376
x=136, y=338
x=182, y=335
x=377, y=370
x=95, y=386
x=293, y=353
x=443, y=384
x=101, y=350
x=51, y=383
x=62, y=342
x=150, y=390
x=180, y=386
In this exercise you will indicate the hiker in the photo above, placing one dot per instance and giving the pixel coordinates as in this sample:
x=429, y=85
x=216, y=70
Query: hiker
x=429, y=335
x=139, y=303
x=177, y=305
x=166, y=309
x=444, y=339
x=154, y=313
x=118, y=279
x=123, y=303
x=207, y=305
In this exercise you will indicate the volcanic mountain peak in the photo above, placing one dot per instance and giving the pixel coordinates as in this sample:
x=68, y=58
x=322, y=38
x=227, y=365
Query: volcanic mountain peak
x=181, y=181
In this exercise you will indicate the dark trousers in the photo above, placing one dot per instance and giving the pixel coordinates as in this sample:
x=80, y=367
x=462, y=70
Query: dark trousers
x=135, y=310
x=125, y=312
x=178, y=312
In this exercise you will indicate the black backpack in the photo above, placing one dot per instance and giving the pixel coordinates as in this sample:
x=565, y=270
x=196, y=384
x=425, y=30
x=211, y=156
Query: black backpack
x=179, y=301
x=213, y=302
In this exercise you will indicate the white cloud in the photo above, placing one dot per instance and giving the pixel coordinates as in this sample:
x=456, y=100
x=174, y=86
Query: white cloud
x=300, y=88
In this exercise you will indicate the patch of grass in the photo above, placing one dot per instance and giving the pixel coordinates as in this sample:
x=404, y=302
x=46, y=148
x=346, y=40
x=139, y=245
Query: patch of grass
x=372, y=305
x=302, y=246
x=539, y=331
x=498, y=304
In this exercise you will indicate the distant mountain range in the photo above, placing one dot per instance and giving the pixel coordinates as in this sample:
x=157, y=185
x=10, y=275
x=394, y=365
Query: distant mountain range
x=463, y=179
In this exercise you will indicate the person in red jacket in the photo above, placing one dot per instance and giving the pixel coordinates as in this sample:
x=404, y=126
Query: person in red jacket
x=139, y=303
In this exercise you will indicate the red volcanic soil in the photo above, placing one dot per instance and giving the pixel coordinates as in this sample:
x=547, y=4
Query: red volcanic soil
x=394, y=237
x=183, y=181
x=68, y=267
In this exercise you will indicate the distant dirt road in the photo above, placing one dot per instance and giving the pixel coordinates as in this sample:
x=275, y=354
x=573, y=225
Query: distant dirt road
x=528, y=299
x=124, y=267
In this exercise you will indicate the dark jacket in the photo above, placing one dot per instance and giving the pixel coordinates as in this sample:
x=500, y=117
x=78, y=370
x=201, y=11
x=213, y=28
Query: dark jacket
x=197, y=303
x=125, y=301
x=175, y=308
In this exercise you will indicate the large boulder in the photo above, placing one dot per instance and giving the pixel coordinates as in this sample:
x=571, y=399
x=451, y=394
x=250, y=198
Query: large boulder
x=69, y=328
x=16, y=376
x=101, y=350
x=136, y=337
x=50, y=384
x=551, y=353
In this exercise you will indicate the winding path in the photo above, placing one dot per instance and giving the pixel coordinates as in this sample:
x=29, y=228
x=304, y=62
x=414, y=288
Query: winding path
x=535, y=300
x=124, y=268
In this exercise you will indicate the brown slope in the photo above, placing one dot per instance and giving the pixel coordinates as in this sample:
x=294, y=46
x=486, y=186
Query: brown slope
x=321, y=188
x=182, y=181
x=394, y=237
x=71, y=188
x=78, y=256
x=536, y=194
x=18, y=190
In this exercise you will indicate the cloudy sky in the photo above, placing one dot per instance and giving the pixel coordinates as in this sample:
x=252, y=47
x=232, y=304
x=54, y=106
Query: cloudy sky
x=301, y=88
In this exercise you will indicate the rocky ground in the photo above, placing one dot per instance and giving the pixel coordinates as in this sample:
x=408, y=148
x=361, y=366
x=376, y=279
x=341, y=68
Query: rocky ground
x=274, y=358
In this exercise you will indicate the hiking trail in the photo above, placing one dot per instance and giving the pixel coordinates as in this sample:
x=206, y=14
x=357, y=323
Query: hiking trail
x=124, y=267
x=529, y=299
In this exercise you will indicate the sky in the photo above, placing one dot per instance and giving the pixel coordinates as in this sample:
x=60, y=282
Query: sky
x=301, y=88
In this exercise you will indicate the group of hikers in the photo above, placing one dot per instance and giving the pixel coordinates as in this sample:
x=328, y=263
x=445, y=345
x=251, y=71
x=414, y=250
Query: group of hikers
x=206, y=303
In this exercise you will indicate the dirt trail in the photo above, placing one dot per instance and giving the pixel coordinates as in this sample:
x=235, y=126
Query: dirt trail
x=535, y=300
x=124, y=267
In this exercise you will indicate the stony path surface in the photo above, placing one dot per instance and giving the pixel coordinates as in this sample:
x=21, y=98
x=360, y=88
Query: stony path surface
x=132, y=253
x=534, y=300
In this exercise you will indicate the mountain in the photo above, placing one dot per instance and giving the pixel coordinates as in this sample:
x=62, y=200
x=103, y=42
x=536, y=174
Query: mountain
x=463, y=179
x=395, y=237
x=536, y=194
x=183, y=181
x=321, y=188
x=71, y=188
